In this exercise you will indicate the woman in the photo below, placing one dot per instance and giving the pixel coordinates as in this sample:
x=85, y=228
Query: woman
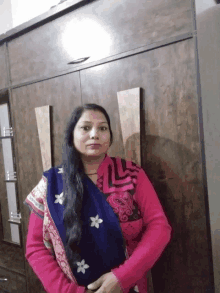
x=96, y=222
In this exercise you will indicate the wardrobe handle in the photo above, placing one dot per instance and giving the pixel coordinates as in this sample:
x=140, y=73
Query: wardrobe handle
x=3, y=280
x=80, y=60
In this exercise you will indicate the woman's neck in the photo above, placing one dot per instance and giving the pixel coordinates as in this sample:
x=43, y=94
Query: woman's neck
x=91, y=164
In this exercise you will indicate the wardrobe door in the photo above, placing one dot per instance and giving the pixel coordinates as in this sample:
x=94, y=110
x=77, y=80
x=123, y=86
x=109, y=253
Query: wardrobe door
x=95, y=31
x=63, y=95
x=170, y=149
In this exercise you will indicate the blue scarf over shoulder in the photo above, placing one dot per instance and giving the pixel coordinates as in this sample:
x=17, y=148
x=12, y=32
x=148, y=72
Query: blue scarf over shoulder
x=102, y=244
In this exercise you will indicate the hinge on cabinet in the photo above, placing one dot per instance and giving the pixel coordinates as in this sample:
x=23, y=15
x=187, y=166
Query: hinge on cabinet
x=15, y=218
x=11, y=176
x=7, y=131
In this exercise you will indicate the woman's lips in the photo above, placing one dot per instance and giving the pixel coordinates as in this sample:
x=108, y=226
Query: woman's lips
x=94, y=146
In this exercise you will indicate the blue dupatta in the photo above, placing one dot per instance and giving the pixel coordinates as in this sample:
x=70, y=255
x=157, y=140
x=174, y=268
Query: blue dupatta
x=102, y=245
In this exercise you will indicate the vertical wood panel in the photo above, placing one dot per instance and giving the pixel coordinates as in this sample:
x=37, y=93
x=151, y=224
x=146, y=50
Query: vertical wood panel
x=170, y=151
x=3, y=68
x=63, y=94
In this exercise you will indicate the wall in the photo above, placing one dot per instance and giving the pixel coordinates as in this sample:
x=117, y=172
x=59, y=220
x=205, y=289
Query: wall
x=202, y=5
x=208, y=27
x=6, y=16
x=16, y=12
x=24, y=10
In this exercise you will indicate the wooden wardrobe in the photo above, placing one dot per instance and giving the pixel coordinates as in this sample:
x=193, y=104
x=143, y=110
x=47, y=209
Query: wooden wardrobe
x=87, y=51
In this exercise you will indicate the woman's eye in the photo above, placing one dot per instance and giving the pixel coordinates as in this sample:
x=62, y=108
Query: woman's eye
x=85, y=127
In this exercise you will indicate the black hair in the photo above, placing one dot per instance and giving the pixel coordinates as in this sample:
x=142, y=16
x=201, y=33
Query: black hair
x=217, y=1
x=73, y=173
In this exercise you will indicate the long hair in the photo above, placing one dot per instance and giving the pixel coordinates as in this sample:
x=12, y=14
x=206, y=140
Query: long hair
x=73, y=173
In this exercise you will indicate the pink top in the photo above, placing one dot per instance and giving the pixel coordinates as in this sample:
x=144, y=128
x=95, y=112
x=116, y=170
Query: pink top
x=145, y=238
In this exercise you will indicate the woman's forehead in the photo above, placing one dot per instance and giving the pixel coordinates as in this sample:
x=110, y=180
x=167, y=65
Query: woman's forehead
x=92, y=116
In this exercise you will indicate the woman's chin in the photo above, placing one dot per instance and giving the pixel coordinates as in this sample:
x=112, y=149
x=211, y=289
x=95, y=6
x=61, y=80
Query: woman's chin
x=94, y=154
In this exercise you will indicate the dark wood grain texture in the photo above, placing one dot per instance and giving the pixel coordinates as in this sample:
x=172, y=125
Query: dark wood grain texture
x=171, y=154
x=82, y=66
x=12, y=257
x=97, y=30
x=16, y=282
x=3, y=69
x=63, y=95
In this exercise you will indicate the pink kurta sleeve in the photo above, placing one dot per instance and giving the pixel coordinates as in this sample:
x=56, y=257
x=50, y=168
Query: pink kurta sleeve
x=154, y=239
x=43, y=263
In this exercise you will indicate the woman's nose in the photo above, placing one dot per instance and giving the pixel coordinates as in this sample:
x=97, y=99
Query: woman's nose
x=94, y=133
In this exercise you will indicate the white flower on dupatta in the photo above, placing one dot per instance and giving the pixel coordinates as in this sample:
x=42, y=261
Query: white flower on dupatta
x=60, y=170
x=82, y=266
x=59, y=199
x=96, y=221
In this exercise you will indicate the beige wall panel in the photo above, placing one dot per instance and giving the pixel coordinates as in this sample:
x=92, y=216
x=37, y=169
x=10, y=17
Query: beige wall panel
x=63, y=95
x=129, y=111
x=3, y=69
x=97, y=30
x=170, y=148
x=44, y=133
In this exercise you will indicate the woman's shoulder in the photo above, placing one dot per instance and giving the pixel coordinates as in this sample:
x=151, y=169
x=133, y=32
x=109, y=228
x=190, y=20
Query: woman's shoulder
x=53, y=171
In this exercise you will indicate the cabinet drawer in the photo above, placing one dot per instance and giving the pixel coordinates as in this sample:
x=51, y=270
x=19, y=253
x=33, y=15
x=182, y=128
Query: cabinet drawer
x=97, y=30
x=15, y=282
x=3, y=70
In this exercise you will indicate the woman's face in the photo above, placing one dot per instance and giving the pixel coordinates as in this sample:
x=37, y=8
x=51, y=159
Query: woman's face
x=91, y=136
